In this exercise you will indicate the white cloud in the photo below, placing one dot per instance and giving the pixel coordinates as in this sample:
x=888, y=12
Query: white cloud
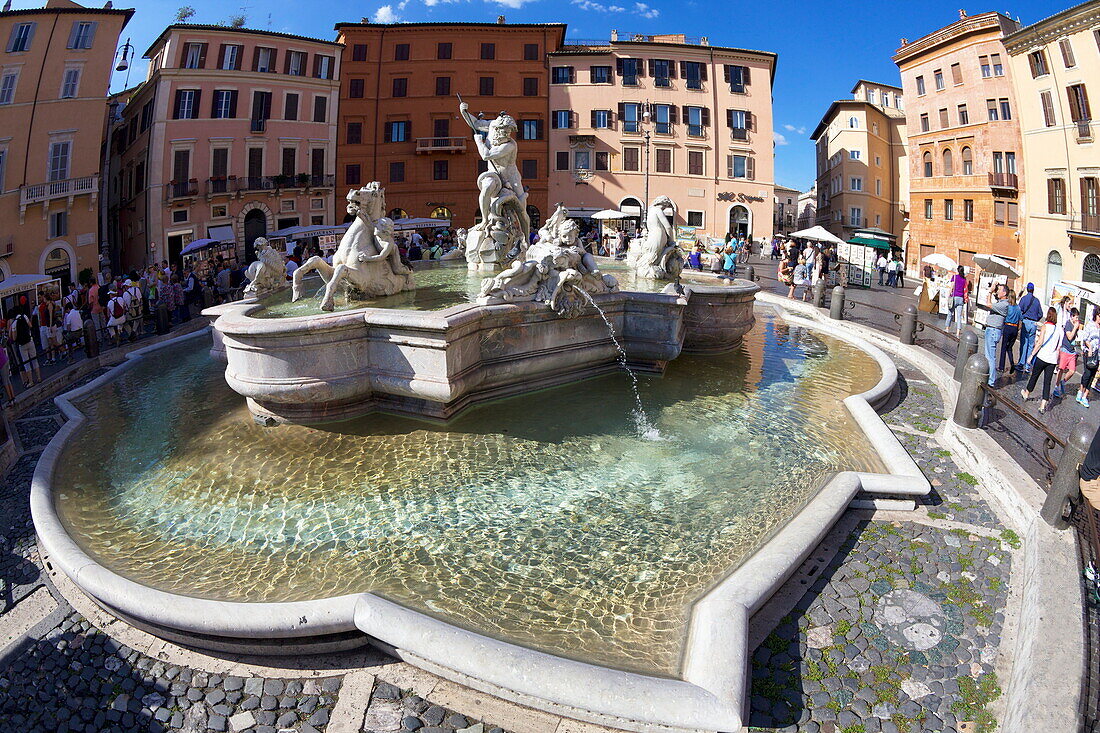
x=596, y=7
x=386, y=14
x=512, y=3
x=645, y=11
x=780, y=138
x=795, y=130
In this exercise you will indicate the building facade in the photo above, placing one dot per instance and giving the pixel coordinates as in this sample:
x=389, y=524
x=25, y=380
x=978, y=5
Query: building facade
x=54, y=75
x=807, y=208
x=644, y=116
x=965, y=151
x=786, y=210
x=399, y=121
x=1054, y=63
x=231, y=136
x=862, y=168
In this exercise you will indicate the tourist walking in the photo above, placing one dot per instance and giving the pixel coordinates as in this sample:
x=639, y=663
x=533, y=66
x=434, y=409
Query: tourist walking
x=116, y=316
x=20, y=333
x=1067, y=353
x=1044, y=358
x=1090, y=349
x=74, y=330
x=960, y=292
x=1031, y=312
x=880, y=265
x=899, y=274
x=1009, y=334
x=994, y=325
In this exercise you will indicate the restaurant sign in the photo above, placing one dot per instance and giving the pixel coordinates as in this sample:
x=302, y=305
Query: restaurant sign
x=739, y=197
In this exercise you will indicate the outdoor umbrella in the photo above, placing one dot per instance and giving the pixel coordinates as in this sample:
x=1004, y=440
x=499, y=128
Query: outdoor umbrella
x=940, y=260
x=817, y=234
x=995, y=265
x=609, y=214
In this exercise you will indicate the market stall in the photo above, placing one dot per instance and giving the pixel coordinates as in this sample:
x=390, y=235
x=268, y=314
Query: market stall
x=16, y=287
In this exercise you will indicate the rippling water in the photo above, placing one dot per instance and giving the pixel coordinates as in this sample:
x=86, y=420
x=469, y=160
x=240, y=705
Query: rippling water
x=543, y=519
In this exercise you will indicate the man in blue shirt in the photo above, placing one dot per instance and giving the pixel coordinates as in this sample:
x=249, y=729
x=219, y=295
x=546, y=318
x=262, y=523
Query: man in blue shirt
x=1032, y=312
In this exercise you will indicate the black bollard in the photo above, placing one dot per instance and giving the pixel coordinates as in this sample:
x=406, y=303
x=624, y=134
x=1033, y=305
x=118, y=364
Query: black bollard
x=836, y=308
x=91, y=340
x=971, y=396
x=1066, y=484
x=909, y=325
x=968, y=345
x=819, y=293
x=162, y=319
x=750, y=273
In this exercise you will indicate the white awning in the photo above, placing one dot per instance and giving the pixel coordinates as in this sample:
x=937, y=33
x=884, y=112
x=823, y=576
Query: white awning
x=420, y=223
x=222, y=234
x=21, y=283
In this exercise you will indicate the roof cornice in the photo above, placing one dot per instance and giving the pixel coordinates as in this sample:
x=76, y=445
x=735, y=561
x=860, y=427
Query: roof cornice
x=992, y=23
x=1072, y=20
x=210, y=28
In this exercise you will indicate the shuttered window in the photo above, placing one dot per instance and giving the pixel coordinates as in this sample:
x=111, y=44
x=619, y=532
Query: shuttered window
x=1056, y=196
x=1067, y=53
x=82, y=34
x=1078, y=103
x=1048, y=109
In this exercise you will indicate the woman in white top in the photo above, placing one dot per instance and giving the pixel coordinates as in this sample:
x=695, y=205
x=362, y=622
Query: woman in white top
x=1045, y=352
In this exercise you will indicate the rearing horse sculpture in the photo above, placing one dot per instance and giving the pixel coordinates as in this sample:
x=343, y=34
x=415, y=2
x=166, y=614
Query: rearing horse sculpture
x=367, y=262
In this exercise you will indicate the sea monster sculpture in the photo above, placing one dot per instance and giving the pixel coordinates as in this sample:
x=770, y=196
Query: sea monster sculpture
x=656, y=255
x=268, y=273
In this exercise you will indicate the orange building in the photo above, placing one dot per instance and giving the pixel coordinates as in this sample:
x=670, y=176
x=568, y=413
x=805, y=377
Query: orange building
x=399, y=120
x=54, y=76
x=231, y=136
x=965, y=150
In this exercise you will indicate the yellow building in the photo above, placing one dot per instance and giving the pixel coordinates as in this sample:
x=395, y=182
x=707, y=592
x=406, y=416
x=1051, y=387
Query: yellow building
x=862, y=174
x=54, y=74
x=1054, y=63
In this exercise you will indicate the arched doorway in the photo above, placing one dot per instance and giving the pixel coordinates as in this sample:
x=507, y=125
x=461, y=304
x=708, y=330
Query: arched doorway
x=255, y=225
x=632, y=207
x=535, y=216
x=1054, y=272
x=58, y=264
x=740, y=224
x=1090, y=272
x=440, y=212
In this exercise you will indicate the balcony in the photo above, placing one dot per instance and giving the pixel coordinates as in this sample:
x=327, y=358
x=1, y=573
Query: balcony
x=1084, y=131
x=440, y=145
x=182, y=189
x=1003, y=180
x=217, y=185
x=322, y=181
x=44, y=192
x=258, y=125
x=855, y=222
x=739, y=135
x=1087, y=223
x=256, y=183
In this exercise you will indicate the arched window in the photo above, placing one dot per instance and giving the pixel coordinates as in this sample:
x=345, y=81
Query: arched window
x=396, y=214
x=853, y=122
x=927, y=158
x=58, y=265
x=1090, y=273
x=440, y=212
x=968, y=162
x=1054, y=273
x=948, y=163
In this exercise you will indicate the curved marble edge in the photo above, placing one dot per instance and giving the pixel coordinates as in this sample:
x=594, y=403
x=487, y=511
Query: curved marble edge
x=714, y=688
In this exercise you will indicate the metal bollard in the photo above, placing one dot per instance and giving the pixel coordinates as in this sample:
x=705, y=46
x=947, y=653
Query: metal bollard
x=969, y=405
x=1066, y=484
x=750, y=273
x=91, y=340
x=819, y=293
x=836, y=307
x=162, y=319
x=968, y=345
x=909, y=325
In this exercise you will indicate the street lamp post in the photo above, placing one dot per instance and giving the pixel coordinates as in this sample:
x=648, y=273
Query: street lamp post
x=645, y=139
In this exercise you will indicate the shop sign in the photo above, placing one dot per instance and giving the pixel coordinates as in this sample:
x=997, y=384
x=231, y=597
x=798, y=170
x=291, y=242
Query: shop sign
x=743, y=198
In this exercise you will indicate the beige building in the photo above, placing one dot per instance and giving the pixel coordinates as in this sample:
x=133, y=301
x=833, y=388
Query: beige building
x=1055, y=62
x=55, y=70
x=862, y=171
x=807, y=208
x=644, y=116
x=786, y=210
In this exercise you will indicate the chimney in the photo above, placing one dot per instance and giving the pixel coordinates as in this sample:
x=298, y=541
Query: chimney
x=500, y=20
x=614, y=35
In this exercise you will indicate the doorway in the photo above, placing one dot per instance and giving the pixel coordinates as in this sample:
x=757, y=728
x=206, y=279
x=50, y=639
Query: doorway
x=739, y=222
x=255, y=225
x=1054, y=272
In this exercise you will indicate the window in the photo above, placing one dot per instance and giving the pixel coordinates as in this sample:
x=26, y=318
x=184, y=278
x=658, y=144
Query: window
x=225, y=104
x=440, y=170
x=987, y=70
x=878, y=186
x=264, y=60
x=442, y=86
x=630, y=70
x=855, y=183
x=400, y=87
x=991, y=109
x=1056, y=196
x=968, y=209
x=396, y=131
x=855, y=154
x=401, y=51
x=855, y=216
x=230, y=57
x=582, y=160
x=1067, y=53
x=603, y=160
x=1047, y=103
x=59, y=224
x=697, y=119
x=853, y=123
x=397, y=171
x=529, y=168
x=937, y=76
x=219, y=163
x=998, y=162
x=998, y=68
x=1078, y=103
x=740, y=123
x=290, y=107
x=359, y=52
x=7, y=86
x=631, y=158
x=956, y=74
x=355, y=88
x=695, y=73
x=664, y=160
x=442, y=51
x=354, y=134
x=194, y=56
x=662, y=71
x=70, y=83
x=968, y=162
x=601, y=119
x=948, y=163
x=187, y=102
x=600, y=74
x=740, y=166
x=948, y=209
x=964, y=115
x=531, y=86
x=999, y=212
x=630, y=114
x=352, y=174
x=1006, y=110
x=296, y=63
x=562, y=75
x=485, y=86
x=323, y=66
x=871, y=96
x=737, y=77
x=488, y=51
x=1013, y=214
x=944, y=122
x=83, y=33
x=530, y=52
x=695, y=163
x=531, y=130
x=441, y=127
x=21, y=36
x=146, y=116
x=289, y=161
x=920, y=86
x=928, y=209
x=561, y=161
x=663, y=115
x=925, y=126
x=562, y=119
x=926, y=160
x=1037, y=60
x=320, y=109
x=58, y=163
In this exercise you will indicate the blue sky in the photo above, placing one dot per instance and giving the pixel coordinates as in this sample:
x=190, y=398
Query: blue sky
x=824, y=46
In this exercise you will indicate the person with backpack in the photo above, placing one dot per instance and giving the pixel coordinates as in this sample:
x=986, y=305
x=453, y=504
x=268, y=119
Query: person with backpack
x=116, y=316
x=134, y=309
x=21, y=335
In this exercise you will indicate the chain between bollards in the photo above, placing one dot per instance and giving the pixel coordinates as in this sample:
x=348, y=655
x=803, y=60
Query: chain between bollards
x=1066, y=484
x=908, y=322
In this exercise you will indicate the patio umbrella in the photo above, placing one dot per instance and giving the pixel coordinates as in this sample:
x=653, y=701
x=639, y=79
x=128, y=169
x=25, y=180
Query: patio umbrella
x=609, y=214
x=940, y=260
x=995, y=265
x=817, y=234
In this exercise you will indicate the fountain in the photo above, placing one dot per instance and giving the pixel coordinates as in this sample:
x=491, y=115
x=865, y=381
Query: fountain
x=656, y=254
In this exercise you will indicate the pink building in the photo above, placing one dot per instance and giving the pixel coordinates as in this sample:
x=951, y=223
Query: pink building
x=673, y=115
x=232, y=136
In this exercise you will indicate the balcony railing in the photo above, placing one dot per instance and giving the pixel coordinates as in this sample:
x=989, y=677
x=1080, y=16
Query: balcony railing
x=857, y=222
x=259, y=125
x=40, y=192
x=739, y=135
x=1087, y=223
x=1084, y=131
x=256, y=183
x=440, y=144
x=182, y=189
x=217, y=185
x=322, y=181
x=1003, y=180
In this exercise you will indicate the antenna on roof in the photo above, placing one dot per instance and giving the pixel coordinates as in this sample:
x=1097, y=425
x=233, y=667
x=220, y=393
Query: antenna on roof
x=7, y=6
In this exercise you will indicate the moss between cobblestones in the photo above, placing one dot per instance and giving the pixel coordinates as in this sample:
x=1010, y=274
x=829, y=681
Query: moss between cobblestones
x=974, y=697
x=966, y=478
x=1011, y=539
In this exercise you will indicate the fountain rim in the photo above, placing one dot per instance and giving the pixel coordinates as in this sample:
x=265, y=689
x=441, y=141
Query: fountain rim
x=713, y=682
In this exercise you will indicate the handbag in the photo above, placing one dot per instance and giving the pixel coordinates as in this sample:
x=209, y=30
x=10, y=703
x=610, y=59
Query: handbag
x=1092, y=361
